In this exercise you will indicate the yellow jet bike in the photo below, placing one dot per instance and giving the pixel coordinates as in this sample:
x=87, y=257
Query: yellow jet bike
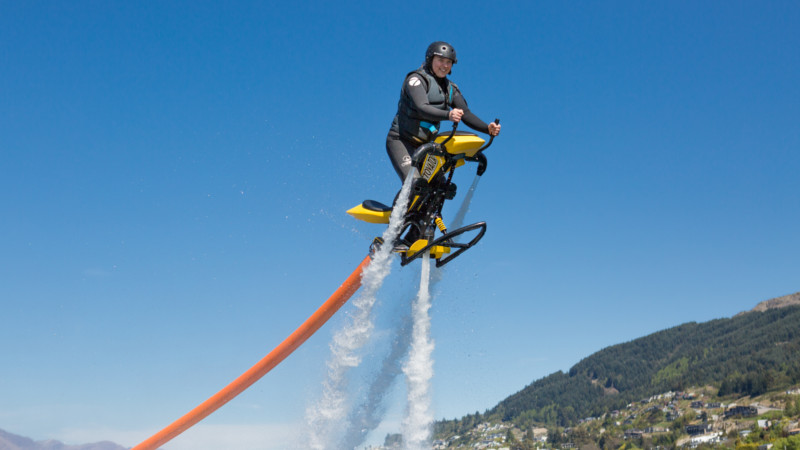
x=436, y=163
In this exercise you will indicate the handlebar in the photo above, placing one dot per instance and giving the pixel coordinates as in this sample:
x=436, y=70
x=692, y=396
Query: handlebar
x=479, y=157
x=496, y=121
x=452, y=133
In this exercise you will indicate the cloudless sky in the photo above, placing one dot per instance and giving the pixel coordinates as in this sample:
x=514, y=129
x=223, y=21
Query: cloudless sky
x=174, y=178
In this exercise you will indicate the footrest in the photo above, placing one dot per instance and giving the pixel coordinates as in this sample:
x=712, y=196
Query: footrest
x=448, y=239
x=421, y=245
x=374, y=205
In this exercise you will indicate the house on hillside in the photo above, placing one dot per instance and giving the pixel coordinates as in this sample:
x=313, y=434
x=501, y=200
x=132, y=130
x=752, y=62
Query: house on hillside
x=743, y=411
x=707, y=439
x=633, y=433
x=629, y=420
x=693, y=430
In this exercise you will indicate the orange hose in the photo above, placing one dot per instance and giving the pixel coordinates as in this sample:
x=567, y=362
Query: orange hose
x=275, y=357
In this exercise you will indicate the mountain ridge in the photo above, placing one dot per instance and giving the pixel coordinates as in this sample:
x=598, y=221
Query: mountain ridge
x=775, y=303
x=747, y=354
x=10, y=441
x=738, y=354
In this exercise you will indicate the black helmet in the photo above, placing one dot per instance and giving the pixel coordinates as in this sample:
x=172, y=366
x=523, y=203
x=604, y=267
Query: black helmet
x=442, y=49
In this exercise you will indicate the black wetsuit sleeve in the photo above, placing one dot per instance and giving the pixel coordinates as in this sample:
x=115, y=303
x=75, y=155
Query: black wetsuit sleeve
x=469, y=118
x=419, y=95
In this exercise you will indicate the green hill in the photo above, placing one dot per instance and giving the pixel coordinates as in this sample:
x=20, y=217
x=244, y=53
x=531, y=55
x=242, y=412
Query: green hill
x=748, y=354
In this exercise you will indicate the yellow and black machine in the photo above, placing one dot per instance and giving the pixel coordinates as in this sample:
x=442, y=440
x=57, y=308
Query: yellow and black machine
x=435, y=162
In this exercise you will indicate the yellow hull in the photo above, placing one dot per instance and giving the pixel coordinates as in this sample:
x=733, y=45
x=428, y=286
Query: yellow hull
x=466, y=143
x=368, y=215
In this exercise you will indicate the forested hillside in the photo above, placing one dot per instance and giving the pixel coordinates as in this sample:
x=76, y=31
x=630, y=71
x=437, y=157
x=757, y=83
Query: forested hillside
x=746, y=355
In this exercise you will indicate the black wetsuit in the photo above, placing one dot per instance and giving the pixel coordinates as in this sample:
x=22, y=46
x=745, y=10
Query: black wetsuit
x=425, y=100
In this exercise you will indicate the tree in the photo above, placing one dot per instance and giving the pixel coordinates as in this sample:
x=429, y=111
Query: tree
x=792, y=407
x=512, y=441
x=393, y=440
x=529, y=442
x=554, y=436
x=788, y=443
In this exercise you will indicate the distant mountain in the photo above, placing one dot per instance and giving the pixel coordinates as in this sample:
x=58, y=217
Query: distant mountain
x=10, y=441
x=748, y=354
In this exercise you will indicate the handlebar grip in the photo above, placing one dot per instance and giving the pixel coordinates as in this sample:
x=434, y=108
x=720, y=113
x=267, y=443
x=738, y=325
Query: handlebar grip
x=491, y=139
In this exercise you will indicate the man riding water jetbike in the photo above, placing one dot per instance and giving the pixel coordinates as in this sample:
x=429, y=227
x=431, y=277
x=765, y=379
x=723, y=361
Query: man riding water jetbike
x=427, y=98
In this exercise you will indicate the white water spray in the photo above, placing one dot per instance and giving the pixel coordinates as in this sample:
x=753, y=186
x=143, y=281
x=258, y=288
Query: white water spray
x=326, y=418
x=417, y=426
x=369, y=414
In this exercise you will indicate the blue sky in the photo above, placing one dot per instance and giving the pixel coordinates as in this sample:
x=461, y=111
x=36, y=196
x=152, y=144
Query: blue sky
x=174, y=178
